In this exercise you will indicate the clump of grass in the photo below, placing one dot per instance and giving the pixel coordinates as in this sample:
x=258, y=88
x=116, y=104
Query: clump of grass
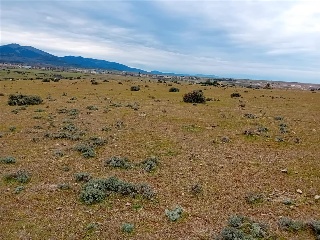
x=150, y=164
x=21, y=176
x=118, y=162
x=127, y=227
x=196, y=96
x=174, y=89
x=12, y=129
x=175, y=214
x=8, y=160
x=254, y=198
x=135, y=88
x=92, y=226
x=82, y=177
x=19, y=100
x=291, y=225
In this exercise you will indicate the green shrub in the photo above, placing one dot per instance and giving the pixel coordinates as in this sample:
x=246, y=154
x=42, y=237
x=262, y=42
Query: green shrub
x=315, y=226
x=135, y=88
x=118, y=162
x=174, y=89
x=196, y=96
x=19, y=100
x=174, y=214
x=90, y=195
x=8, y=160
x=92, y=108
x=18, y=189
x=127, y=227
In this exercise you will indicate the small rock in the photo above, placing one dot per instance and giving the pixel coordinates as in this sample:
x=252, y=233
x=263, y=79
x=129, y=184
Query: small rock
x=317, y=197
x=128, y=204
x=299, y=191
x=59, y=208
x=284, y=170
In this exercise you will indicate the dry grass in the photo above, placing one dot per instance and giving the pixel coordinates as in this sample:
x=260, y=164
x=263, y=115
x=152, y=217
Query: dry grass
x=188, y=141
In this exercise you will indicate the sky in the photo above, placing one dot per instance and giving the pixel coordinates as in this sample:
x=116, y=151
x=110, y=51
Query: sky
x=256, y=39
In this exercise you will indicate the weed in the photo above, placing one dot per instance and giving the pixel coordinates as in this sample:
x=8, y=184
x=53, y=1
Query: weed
x=196, y=189
x=196, y=96
x=92, y=226
x=254, y=198
x=18, y=189
x=278, y=118
x=175, y=214
x=12, y=129
x=92, y=108
x=64, y=186
x=21, y=176
x=8, y=160
x=249, y=115
x=19, y=99
x=82, y=177
x=118, y=162
x=127, y=228
x=291, y=225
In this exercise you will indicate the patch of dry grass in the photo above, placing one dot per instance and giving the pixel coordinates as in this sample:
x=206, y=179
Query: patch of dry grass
x=189, y=141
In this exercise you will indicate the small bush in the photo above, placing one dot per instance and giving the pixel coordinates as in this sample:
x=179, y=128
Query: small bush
x=82, y=177
x=135, y=88
x=196, y=189
x=127, y=227
x=19, y=100
x=18, y=189
x=8, y=160
x=86, y=150
x=118, y=162
x=21, y=176
x=291, y=225
x=254, y=198
x=96, y=190
x=195, y=96
x=92, y=108
x=63, y=186
x=150, y=164
x=175, y=214
x=233, y=95
x=249, y=115
x=174, y=89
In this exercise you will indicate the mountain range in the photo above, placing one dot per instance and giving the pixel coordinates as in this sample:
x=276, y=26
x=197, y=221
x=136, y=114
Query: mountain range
x=15, y=53
x=27, y=55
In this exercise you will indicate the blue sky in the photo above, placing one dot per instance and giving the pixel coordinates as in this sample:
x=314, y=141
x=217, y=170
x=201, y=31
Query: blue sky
x=276, y=40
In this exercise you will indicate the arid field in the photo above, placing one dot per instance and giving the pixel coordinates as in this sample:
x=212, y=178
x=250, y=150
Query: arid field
x=100, y=161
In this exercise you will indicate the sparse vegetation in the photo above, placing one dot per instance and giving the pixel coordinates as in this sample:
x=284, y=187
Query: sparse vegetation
x=8, y=160
x=175, y=214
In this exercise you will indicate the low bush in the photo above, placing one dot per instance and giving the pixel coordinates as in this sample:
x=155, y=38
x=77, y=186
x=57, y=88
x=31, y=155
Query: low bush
x=174, y=89
x=233, y=95
x=150, y=164
x=196, y=96
x=86, y=150
x=21, y=176
x=135, y=88
x=118, y=162
x=127, y=227
x=8, y=160
x=291, y=225
x=19, y=100
x=82, y=177
x=175, y=214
